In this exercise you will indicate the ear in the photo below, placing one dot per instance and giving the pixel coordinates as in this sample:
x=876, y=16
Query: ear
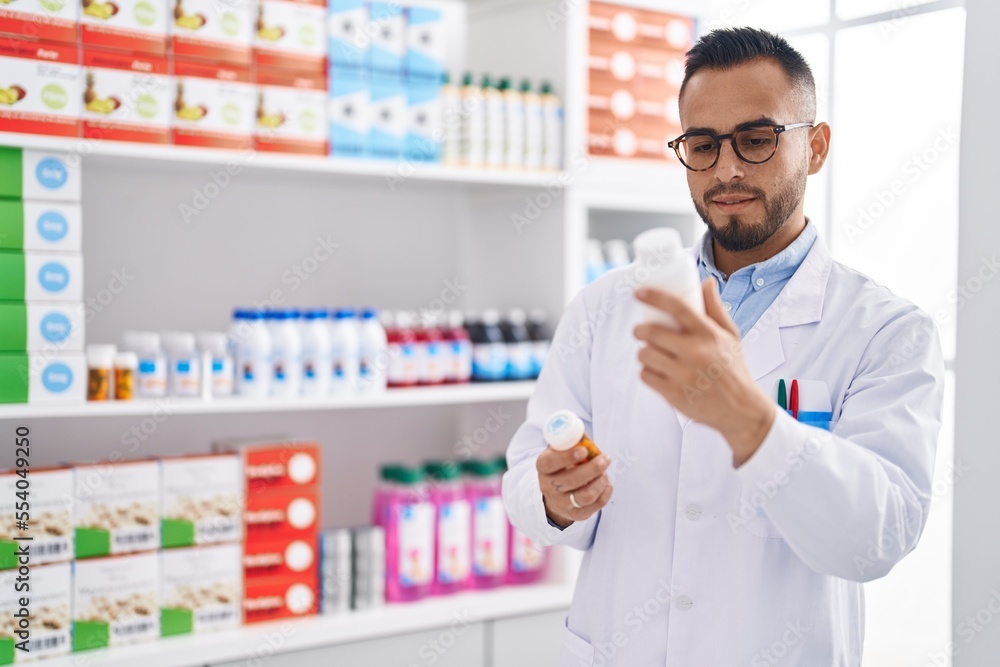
x=819, y=147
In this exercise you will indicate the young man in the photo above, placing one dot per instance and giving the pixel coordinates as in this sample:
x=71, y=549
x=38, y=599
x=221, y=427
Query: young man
x=737, y=532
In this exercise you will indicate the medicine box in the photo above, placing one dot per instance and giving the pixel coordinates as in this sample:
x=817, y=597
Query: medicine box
x=349, y=113
x=291, y=112
x=291, y=34
x=40, y=86
x=275, y=598
x=43, y=378
x=50, y=519
x=349, y=41
x=387, y=53
x=116, y=508
x=424, y=124
x=127, y=97
x=387, y=136
x=38, y=225
x=281, y=516
x=116, y=600
x=217, y=31
x=26, y=174
x=47, y=20
x=202, y=589
x=276, y=465
x=41, y=327
x=43, y=602
x=202, y=500
x=426, y=46
x=40, y=276
x=281, y=558
x=214, y=105
x=138, y=26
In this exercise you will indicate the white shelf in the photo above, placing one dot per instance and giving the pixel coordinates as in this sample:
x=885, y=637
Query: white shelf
x=393, y=398
x=393, y=173
x=397, y=619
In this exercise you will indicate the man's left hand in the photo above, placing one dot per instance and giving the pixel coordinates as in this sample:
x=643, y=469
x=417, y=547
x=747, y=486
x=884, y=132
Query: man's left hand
x=700, y=369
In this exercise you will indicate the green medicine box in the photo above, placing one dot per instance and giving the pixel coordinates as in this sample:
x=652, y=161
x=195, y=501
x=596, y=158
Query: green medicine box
x=40, y=276
x=39, y=327
x=43, y=378
x=38, y=225
x=28, y=174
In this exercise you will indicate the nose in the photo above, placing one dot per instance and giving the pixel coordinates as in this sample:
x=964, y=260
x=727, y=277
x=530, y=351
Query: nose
x=729, y=166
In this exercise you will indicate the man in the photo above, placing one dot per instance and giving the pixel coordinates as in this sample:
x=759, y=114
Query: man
x=736, y=532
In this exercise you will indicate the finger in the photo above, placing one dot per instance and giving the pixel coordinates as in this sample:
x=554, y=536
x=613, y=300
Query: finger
x=714, y=308
x=580, y=475
x=655, y=360
x=662, y=385
x=588, y=494
x=551, y=461
x=687, y=318
x=669, y=340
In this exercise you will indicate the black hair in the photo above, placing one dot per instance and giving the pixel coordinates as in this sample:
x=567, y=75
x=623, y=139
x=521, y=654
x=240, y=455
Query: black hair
x=728, y=48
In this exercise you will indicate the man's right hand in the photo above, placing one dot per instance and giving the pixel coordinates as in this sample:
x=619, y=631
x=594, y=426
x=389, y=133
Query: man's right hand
x=563, y=473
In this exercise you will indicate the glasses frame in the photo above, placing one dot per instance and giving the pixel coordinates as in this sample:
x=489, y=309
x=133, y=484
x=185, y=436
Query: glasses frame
x=719, y=138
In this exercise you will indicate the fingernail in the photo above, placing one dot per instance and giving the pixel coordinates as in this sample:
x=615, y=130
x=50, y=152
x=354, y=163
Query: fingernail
x=579, y=453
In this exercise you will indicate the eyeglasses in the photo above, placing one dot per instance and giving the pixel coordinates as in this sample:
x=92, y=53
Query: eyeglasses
x=755, y=143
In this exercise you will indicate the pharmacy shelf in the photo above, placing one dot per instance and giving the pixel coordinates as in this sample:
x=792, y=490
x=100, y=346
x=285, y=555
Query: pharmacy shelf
x=393, y=173
x=283, y=637
x=394, y=398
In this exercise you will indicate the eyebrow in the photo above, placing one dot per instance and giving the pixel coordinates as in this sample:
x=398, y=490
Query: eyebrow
x=711, y=130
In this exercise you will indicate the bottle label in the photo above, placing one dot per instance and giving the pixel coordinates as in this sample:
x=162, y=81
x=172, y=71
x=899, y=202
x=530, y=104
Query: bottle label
x=453, y=541
x=434, y=362
x=187, y=379
x=403, y=363
x=540, y=350
x=461, y=360
x=520, y=363
x=416, y=544
x=489, y=361
x=152, y=378
x=489, y=550
x=526, y=556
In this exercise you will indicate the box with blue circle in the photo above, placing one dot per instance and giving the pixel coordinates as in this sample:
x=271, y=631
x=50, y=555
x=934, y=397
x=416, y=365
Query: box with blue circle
x=41, y=276
x=26, y=174
x=28, y=377
x=37, y=225
x=41, y=327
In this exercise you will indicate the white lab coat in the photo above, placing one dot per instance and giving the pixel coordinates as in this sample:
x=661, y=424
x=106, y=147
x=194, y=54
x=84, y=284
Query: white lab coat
x=696, y=564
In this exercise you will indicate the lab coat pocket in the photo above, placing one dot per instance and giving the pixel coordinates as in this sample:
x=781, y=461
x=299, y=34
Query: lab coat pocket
x=576, y=651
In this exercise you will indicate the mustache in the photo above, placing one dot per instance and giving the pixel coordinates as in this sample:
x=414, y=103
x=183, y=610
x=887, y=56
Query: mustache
x=740, y=189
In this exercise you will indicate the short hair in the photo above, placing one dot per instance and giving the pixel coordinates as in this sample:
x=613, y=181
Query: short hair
x=730, y=47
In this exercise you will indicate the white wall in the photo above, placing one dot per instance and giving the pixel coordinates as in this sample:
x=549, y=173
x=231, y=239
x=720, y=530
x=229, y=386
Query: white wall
x=977, y=497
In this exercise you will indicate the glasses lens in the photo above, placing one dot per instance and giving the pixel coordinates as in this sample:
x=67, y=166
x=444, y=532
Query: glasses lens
x=699, y=151
x=756, y=144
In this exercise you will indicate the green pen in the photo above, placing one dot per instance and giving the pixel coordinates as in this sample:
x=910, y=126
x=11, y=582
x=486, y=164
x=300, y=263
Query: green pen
x=782, y=396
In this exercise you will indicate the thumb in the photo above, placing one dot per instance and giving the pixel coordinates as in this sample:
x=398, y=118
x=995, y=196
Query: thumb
x=713, y=306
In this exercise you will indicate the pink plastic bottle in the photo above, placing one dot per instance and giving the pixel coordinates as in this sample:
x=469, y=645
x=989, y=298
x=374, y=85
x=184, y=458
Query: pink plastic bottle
x=409, y=538
x=459, y=367
x=489, y=524
x=527, y=559
x=402, y=348
x=452, y=540
x=387, y=476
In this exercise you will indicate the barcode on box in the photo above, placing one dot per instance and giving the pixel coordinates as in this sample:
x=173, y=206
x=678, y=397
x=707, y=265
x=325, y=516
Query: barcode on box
x=217, y=530
x=135, y=540
x=130, y=629
x=48, y=644
x=216, y=616
x=47, y=551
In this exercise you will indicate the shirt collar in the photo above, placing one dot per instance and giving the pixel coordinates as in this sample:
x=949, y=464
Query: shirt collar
x=771, y=270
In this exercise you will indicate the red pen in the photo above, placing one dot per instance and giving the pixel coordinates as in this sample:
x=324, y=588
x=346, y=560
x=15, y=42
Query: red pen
x=794, y=399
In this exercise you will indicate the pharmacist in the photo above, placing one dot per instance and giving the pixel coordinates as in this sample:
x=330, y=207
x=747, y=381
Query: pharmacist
x=737, y=530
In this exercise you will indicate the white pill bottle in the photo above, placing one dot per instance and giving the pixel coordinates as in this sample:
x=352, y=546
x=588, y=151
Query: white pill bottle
x=663, y=263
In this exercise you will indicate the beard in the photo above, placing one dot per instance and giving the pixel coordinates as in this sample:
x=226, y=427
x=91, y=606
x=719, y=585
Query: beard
x=736, y=234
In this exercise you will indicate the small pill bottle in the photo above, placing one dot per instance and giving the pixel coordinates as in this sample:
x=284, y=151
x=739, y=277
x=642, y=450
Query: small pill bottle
x=126, y=364
x=564, y=430
x=100, y=360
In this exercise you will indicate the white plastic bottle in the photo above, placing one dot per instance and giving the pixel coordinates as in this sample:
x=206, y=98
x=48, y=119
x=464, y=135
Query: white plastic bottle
x=317, y=367
x=253, y=355
x=552, y=129
x=660, y=254
x=532, y=126
x=214, y=344
x=451, y=99
x=494, y=123
x=345, y=352
x=185, y=363
x=373, y=356
x=513, y=104
x=473, y=124
x=151, y=376
x=286, y=357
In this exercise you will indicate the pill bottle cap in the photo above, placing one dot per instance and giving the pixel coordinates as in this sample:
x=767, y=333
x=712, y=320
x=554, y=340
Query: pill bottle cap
x=128, y=360
x=101, y=356
x=213, y=342
x=563, y=430
x=443, y=470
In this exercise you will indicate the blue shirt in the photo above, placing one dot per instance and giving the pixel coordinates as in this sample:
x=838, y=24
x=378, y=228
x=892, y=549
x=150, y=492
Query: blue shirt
x=749, y=292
